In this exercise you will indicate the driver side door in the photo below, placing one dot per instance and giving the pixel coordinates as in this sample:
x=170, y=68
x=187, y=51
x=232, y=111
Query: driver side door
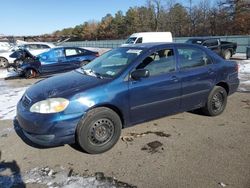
x=159, y=94
x=51, y=61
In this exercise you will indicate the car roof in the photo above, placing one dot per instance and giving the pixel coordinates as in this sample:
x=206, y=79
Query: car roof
x=202, y=38
x=157, y=45
x=64, y=47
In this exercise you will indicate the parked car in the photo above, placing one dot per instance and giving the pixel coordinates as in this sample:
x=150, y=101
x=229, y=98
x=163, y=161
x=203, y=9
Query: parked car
x=35, y=48
x=223, y=48
x=4, y=46
x=147, y=37
x=56, y=60
x=124, y=87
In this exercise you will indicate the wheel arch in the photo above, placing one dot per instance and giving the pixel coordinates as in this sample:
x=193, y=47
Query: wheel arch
x=224, y=85
x=31, y=68
x=115, y=109
x=4, y=58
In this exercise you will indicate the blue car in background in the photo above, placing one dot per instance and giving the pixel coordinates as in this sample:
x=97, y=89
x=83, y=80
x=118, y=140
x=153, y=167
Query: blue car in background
x=56, y=60
x=124, y=87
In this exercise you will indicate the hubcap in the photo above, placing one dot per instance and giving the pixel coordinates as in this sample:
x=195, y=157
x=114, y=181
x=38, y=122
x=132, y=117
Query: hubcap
x=101, y=131
x=228, y=55
x=3, y=62
x=217, y=102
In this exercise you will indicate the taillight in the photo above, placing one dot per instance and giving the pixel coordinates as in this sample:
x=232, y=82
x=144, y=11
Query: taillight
x=237, y=67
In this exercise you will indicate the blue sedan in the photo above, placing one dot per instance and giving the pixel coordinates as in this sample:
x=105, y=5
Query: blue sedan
x=124, y=87
x=56, y=60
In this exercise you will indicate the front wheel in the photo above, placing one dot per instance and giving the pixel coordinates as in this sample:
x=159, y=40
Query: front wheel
x=3, y=62
x=216, y=102
x=99, y=130
x=30, y=73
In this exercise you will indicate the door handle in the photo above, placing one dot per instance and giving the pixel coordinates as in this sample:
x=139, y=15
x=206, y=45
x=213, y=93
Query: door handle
x=174, y=78
x=210, y=71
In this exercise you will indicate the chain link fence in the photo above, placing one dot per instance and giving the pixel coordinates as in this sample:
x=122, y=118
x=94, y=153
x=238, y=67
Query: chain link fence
x=242, y=41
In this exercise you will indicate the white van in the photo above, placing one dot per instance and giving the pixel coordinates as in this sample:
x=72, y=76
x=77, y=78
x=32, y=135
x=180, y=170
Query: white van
x=147, y=37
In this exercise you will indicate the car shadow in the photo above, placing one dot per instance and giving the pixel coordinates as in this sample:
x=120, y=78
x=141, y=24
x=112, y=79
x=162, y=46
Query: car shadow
x=14, y=179
x=197, y=112
x=76, y=147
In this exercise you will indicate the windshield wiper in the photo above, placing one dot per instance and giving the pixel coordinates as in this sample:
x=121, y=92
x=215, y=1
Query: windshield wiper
x=91, y=73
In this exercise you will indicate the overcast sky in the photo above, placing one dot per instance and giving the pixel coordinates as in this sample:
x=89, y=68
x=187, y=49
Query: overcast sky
x=35, y=17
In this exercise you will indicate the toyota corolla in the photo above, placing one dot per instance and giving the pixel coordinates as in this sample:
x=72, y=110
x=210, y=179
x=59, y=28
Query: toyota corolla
x=124, y=87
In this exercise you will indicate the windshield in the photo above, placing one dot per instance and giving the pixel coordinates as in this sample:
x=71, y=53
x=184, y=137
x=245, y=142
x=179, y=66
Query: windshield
x=131, y=40
x=112, y=63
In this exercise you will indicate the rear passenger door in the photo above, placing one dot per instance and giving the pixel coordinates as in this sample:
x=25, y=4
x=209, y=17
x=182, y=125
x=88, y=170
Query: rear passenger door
x=197, y=76
x=73, y=58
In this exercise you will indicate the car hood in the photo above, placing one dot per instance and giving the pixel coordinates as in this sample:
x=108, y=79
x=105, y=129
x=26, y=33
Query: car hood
x=63, y=85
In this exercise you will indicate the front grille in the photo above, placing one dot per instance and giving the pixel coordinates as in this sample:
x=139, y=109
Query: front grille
x=26, y=101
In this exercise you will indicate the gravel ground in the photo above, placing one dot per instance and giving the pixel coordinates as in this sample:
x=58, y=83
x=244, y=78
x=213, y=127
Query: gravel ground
x=184, y=150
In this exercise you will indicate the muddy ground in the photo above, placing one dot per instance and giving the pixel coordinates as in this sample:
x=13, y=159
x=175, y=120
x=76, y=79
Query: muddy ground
x=183, y=150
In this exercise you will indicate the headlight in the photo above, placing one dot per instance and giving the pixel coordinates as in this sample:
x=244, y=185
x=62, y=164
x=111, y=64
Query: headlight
x=52, y=105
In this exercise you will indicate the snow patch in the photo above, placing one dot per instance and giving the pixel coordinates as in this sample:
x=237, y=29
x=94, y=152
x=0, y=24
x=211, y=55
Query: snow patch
x=8, y=101
x=244, y=75
x=5, y=74
x=62, y=178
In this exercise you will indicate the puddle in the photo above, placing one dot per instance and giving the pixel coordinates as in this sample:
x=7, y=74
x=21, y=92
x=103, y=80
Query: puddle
x=246, y=102
x=60, y=177
x=153, y=147
x=131, y=136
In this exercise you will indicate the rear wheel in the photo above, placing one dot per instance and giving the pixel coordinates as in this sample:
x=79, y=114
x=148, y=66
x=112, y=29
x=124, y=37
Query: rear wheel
x=30, y=73
x=227, y=54
x=99, y=130
x=216, y=103
x=3, y=62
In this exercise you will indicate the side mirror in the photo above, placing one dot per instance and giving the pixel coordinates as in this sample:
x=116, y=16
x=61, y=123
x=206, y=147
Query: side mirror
x=140, y=73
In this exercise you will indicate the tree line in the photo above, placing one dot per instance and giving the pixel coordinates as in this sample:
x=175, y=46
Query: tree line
x=225, y=17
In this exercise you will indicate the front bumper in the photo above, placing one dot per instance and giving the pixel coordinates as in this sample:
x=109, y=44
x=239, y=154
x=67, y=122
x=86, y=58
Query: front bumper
x=15, y=69
x=47, y=129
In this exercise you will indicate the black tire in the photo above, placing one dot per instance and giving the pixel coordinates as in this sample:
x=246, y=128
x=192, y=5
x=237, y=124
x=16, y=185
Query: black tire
x=227, y=54
x=4, y=63
x=30, y=73
x=216, y=102
x=84, y=63
x=99, y=130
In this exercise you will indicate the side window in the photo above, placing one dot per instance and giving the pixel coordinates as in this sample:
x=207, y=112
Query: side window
x=159, y=62
x=52, y=55
x=43, y=46
x=211, y=42
x=192, y=57
x=33, y=46
x=70, y=52
x=81, y=51
x=139, y=40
